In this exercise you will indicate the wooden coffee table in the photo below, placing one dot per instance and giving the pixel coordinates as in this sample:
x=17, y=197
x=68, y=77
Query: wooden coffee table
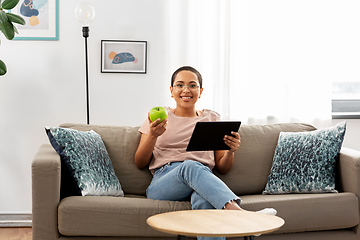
x=215, y=223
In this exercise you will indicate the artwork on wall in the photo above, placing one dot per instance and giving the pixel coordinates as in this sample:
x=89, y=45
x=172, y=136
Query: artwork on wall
x=120, y=56
x=41, y=17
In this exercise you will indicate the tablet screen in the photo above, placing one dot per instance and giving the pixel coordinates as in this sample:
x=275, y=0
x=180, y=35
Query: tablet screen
x=209, y=136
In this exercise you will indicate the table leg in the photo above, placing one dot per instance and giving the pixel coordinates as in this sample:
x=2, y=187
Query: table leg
x=181, y=237
x=248, y=238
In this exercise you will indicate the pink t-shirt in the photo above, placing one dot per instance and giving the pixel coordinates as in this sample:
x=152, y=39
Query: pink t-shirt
x=171, y=145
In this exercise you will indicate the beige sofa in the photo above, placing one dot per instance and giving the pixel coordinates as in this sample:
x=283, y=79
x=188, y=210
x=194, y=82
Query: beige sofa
x=307, y=216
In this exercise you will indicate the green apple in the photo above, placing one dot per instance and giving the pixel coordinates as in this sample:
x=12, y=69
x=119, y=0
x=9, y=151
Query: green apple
x=158, y=112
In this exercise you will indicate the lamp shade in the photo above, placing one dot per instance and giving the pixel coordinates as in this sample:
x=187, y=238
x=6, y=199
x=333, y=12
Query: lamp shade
x=85, y=13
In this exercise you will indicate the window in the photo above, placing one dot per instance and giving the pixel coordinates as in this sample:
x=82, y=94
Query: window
x=346, y=100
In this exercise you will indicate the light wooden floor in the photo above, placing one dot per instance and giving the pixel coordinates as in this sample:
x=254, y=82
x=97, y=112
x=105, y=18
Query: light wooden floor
x=16, y=233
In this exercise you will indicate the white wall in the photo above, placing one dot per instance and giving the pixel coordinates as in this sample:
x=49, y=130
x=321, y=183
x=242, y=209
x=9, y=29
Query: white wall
x=45, y=86
x=352, y=135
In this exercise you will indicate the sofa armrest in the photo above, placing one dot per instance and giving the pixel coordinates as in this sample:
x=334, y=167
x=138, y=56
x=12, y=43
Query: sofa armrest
x=349, y=175
x=349, y=171
x=46, y=169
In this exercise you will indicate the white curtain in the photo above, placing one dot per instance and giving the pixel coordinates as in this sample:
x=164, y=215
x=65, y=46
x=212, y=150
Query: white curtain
x=264, y=61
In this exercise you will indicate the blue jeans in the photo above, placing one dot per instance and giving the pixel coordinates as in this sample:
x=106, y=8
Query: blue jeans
x=181, y=181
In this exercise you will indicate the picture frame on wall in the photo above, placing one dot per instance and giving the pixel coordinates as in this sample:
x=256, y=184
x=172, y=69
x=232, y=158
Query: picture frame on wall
x=41, y=17
x=122, y=56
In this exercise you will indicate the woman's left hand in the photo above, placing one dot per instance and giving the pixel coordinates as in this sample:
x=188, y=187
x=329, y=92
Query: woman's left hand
x=233, y=141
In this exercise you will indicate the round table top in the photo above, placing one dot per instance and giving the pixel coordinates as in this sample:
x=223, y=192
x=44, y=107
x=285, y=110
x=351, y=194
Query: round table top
x=215, y=223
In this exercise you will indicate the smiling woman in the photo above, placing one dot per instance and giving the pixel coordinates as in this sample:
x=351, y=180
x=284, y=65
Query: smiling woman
x=180, y=174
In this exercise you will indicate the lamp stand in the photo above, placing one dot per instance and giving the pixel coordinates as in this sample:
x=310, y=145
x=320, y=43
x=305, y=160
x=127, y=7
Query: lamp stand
x=86, y=35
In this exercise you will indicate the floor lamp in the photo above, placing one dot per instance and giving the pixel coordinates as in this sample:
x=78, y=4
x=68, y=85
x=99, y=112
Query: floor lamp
x=85, y=13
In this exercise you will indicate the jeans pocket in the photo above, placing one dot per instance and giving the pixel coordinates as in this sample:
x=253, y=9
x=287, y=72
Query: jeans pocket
x=161, y=170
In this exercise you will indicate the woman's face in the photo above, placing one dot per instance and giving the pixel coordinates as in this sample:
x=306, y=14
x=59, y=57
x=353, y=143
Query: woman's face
x=186, y=89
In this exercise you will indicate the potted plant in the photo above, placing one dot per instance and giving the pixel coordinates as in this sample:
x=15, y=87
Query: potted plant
x=7, y=26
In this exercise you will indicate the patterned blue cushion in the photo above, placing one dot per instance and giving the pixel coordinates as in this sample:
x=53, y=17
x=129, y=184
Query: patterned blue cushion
x=304, y=162
x=86, y=157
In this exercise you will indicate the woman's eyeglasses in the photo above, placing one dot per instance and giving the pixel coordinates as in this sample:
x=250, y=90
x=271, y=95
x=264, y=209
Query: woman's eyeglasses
x=181, y=87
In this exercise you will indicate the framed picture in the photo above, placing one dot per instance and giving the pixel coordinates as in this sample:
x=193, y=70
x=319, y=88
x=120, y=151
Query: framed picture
x=41, y=17
x=118, y=56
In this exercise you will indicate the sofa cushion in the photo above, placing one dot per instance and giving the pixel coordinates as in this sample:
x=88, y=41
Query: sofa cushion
x=342, y=234
x=111, y=216
x=85, y=155
x=121, y=144
x=305, y=162
x=253, y=159
x=309, y=212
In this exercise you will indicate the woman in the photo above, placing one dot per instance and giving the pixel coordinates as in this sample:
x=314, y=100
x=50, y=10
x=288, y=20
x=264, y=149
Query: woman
x=180, y=175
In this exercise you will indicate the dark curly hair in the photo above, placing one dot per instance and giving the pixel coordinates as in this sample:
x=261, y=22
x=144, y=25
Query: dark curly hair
x=186, y=68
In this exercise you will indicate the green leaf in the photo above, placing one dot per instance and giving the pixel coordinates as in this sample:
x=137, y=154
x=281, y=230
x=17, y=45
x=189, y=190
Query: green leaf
x=15, y=18
x=7, y=29
x=3, y=69
x=3, y=17
x=15, y=29
x=9, y=4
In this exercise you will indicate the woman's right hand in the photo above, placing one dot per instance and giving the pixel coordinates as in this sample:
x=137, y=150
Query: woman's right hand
x=157, y=128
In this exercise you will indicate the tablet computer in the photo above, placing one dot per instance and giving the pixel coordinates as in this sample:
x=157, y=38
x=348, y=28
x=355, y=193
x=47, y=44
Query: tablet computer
x=209, y=136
